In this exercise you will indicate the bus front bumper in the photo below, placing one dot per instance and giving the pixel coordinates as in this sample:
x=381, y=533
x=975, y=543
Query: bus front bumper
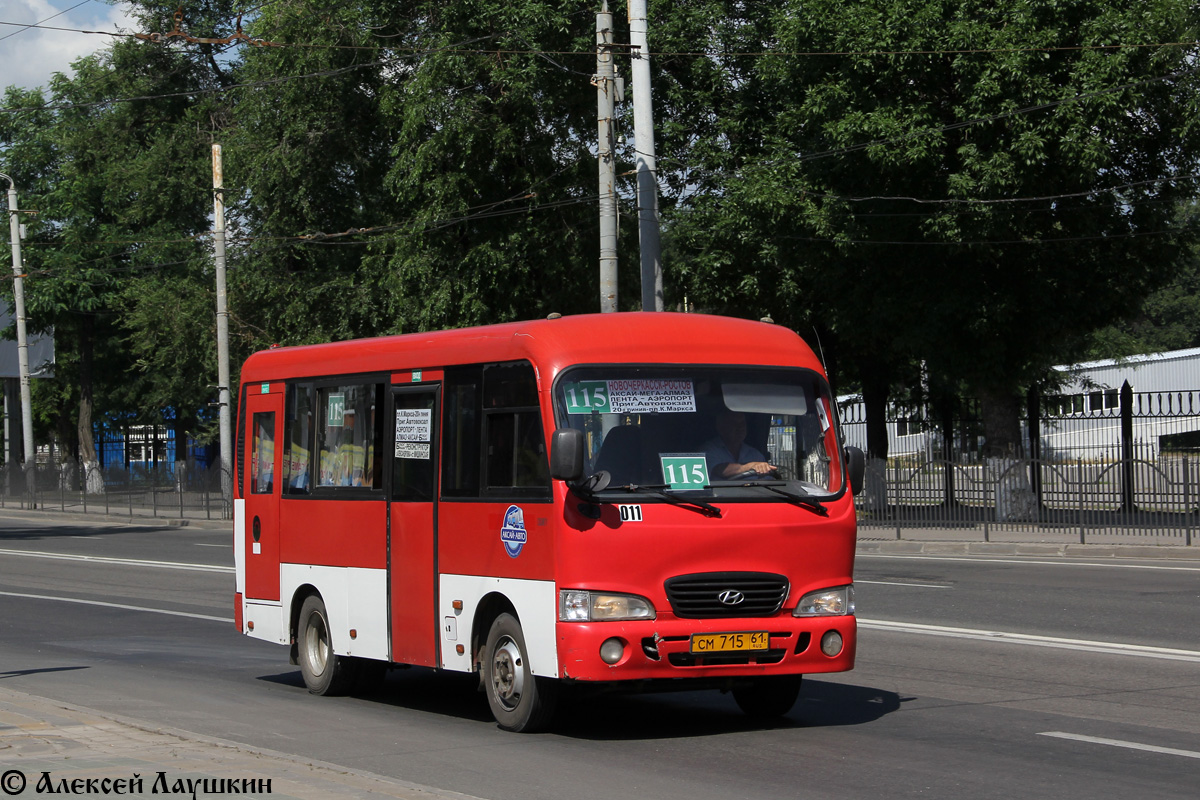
x=705, y=648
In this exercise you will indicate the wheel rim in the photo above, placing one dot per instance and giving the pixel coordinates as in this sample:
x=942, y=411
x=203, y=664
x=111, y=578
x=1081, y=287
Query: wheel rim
x=316, y=643
x=508, y=673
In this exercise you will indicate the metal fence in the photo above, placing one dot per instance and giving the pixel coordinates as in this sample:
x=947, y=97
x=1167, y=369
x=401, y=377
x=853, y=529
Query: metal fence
x=182, y=490
x=1103, y=466
x=996, y=500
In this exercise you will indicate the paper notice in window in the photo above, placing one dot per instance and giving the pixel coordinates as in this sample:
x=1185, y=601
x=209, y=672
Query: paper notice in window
x=651, y=395
x=414, y=450
x=413, y=425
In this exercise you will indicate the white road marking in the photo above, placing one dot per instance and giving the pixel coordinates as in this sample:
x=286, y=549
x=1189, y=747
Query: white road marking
x=1149, y=748
x=1062, y=562
x=132, y=562
x=209, y=544
x=1085, y=645
x=898, y=583
x=118, y=605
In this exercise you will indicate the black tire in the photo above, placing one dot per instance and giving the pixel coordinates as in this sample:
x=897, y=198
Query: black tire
x=520, y=701
x=324, y=672
x=768, y=697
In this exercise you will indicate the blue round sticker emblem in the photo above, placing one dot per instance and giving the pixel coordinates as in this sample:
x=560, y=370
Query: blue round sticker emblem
x=513, y=533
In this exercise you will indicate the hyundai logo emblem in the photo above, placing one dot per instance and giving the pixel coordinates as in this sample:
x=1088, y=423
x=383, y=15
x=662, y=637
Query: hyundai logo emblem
x=731, y=597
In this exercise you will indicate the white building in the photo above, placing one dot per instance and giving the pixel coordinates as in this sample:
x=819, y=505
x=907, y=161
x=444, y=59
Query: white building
x=1082, y=419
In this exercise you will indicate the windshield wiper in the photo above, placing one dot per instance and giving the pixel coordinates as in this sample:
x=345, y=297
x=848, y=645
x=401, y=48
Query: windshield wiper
x=804, y=501
x=656, y=489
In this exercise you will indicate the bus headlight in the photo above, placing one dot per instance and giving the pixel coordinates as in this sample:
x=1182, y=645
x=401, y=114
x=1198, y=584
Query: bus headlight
x=836, y=602
x=577, y=605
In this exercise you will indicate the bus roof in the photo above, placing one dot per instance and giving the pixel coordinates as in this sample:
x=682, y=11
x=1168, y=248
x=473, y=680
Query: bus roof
x=551, y=344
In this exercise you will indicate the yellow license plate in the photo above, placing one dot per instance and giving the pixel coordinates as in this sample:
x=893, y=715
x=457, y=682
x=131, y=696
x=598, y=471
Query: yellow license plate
x=730, y=642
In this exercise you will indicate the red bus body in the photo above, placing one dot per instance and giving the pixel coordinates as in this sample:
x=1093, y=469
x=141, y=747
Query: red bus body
x=420, y=576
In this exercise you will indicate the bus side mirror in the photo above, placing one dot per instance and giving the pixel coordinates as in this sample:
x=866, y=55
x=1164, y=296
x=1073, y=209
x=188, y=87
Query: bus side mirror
x=566, y=454
x=856, y=468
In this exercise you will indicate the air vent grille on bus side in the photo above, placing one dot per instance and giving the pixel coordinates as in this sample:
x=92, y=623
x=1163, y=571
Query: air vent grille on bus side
x=712, y=595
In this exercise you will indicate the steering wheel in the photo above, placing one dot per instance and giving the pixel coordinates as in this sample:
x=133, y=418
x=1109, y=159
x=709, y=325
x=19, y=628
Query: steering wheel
x=741, y=476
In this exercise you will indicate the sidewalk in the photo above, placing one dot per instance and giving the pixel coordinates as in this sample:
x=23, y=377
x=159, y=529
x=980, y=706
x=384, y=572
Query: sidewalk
x=67, y=749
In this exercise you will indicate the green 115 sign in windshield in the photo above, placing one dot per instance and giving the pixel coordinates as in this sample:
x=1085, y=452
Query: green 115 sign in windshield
x=684, y=470
x=584, y=397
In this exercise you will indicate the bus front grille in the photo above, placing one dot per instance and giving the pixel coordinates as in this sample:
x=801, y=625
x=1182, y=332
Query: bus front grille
x=712, y=595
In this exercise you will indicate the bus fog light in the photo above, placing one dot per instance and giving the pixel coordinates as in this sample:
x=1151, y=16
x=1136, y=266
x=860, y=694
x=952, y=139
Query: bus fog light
x=612, y=651
x=831, y=643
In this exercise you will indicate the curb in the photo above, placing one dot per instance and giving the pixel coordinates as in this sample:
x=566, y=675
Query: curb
x=67, y=517
x=1144, y=551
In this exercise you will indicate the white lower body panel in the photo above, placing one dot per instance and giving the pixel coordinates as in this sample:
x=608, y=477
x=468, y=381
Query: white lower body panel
x=536, y=603
x=355, y=601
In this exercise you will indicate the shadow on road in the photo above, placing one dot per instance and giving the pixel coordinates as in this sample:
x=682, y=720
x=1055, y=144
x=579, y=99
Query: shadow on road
x=713, y=713
x=17, y=673
x=615, y=715
x=20, y=533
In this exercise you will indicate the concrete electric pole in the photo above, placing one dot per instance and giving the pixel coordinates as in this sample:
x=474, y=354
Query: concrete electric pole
x=647, y=170
x=226, y=433
x=14, y=228
x=605, y=80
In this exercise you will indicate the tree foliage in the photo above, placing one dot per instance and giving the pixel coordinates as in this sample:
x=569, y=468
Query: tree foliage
x=971, y=185
x=958, y=190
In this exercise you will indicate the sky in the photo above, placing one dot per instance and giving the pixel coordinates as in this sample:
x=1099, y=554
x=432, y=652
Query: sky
x=29, y=56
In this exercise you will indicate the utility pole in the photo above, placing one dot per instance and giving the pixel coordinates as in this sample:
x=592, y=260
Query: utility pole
x=605, y=80
x=14, y=229
x=226, y=462
x=647, y=171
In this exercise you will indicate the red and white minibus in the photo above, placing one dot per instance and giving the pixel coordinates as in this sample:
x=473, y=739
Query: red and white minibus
x=641, y=500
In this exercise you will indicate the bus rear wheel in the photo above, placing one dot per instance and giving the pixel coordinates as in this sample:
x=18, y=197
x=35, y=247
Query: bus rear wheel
x=768, y=697
x=520, y=701
x=325, y=673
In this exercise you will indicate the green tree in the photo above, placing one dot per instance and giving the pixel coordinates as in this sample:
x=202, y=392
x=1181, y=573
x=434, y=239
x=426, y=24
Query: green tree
x=886, y=186
x=121, y=193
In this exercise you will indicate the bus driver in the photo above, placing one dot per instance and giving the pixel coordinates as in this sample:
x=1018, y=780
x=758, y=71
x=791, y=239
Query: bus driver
x=728, y=454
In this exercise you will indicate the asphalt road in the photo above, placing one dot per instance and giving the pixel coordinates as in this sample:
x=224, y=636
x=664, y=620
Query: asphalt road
x=976, y=677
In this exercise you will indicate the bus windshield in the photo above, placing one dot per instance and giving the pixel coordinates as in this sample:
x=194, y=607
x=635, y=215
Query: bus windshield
x=720, y=430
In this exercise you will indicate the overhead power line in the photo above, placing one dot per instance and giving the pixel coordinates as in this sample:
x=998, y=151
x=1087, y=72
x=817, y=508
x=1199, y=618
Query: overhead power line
x=183, y=36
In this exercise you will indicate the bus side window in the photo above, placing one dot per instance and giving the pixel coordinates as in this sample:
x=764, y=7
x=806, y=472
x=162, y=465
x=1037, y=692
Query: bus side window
x=516, y=446
x=262, y=457
x=297, y=456
x=349, y=431
x=460, y=432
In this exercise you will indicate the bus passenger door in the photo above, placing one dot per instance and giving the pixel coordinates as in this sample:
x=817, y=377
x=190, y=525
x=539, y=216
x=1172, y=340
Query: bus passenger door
x=412, y=527
x=261, y=488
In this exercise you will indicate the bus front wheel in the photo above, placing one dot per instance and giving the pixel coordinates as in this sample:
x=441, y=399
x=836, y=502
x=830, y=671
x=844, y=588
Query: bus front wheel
x=768, y=697
x=519, y=700
x=325, y=673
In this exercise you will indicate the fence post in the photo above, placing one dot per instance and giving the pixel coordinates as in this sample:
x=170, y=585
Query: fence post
x=891, y=494
x=1187, y=502
x=1082, y=525
x=987, y=518
x=1033, y=404
x=1127, y=454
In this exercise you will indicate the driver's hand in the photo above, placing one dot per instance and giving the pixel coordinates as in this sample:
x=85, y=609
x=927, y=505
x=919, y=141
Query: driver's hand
x=761, y=467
